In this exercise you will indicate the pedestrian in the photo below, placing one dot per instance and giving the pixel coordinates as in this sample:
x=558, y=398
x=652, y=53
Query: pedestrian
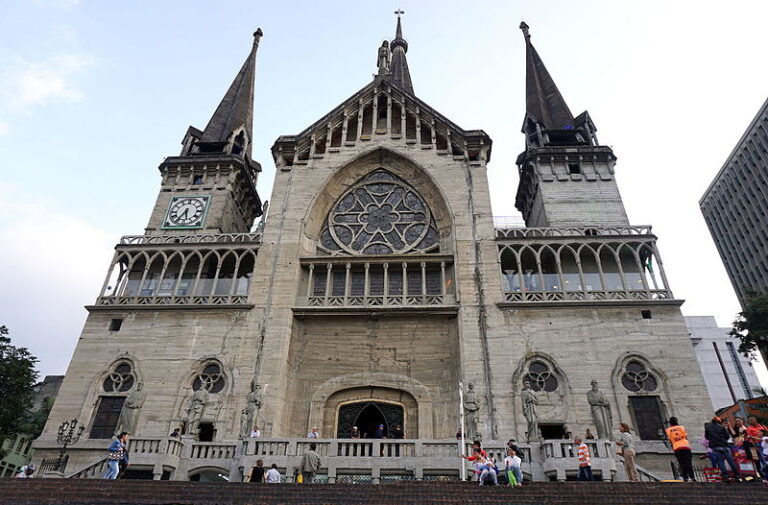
x=764, y=445
x=380, y=433
x=273, y=475
x=257, y=472
x=512, y=444
x=512, y=464
x=122, y=465
x=26, y=471
x=717, y=440
x=310, y=464
x=477, y=459
x=488, y=473
x=589, y=435
x=755, y=448
x=682, y=448
x=255, y=432
x=627, y=447
x=176, y=433
x=355, y=432
x=585, y=466
x=397, y=432
x=116, y=454
x=313, y=433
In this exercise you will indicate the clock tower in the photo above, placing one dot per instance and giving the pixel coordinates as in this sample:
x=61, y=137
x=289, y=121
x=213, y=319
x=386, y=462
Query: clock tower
x=211, y=186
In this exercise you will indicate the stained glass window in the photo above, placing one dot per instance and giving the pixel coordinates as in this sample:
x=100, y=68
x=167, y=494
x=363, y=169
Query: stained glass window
x=380, y=214
x=210, y=378
x=637, y=378
x=541, y=377
x=120, y=378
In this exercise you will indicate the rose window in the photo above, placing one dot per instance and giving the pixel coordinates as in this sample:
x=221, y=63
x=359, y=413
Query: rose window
x=120, y=378
x=637, y=378
x=210, y=379
x=541, y=377
x=380, y=214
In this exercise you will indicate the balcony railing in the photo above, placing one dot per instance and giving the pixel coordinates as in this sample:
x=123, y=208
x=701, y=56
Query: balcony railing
x=517, y=231
x=424, y=281
x=203, y=238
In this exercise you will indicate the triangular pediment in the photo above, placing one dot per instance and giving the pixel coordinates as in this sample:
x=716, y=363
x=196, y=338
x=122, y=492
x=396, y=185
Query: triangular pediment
x=380, y=110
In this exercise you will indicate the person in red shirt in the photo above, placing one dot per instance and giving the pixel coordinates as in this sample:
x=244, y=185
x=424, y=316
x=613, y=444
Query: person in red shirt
x=754, y=448
x=682, y=448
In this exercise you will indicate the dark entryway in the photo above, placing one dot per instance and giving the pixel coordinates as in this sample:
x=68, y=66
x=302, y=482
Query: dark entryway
x=107, y=415
x=552, y=431
x=648, y=419
x=206, y=433
x=367, y=416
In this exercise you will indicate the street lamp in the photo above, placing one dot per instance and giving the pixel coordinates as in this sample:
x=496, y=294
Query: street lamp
x=69, y=433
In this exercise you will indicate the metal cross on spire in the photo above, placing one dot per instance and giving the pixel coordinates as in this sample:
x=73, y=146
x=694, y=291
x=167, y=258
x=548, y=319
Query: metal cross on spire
x=399, y=12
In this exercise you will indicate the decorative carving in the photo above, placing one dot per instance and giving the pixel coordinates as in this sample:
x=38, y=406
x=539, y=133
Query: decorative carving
x=541, y=377
x=529, y=400
x=381, y=214
x=210, y=379
x=195, y=411
x=129, y=415
x=382, y=60
x=120, y=379
x=637, y=378
x=472, y=413
x=601, y=412
x=253, y=405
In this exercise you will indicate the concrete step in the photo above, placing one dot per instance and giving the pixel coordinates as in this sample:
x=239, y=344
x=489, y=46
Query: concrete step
x=122, y=492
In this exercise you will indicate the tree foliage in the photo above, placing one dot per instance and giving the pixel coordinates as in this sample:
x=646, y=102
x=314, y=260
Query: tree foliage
x=17, y=381
x=751, y=326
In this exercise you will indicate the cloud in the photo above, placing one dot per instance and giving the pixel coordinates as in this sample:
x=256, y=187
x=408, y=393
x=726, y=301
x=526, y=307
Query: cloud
x=25, y=83
x=63, y=5
x=51, y=264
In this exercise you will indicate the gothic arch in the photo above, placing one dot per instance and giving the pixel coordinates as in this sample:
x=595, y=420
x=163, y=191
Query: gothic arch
x=380, y=380
x=399, y=165
x=554, y=405
x=622, y=395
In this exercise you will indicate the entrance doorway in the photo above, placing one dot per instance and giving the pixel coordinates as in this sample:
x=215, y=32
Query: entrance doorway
x=367, y=416
x=648, y=418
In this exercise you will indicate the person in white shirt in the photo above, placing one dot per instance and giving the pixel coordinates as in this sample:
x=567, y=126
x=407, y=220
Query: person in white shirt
x=273, y=475
x=256, y=433
x=313, y=433
x=26, y=472
x=514, y=472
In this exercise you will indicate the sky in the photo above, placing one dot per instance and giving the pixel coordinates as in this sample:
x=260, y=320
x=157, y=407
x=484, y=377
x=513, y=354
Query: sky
x=94, y=94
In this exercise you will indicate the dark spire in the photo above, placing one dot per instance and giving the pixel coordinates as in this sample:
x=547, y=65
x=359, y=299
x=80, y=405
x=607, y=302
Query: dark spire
x=543, y=102
x=398, y=66
x=236, y=108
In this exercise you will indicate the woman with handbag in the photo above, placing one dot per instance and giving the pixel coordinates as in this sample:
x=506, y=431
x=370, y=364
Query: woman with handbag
x=116, y=454
x=627, y=450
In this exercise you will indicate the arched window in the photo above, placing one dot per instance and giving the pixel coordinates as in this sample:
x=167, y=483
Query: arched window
x=541, y=377
x=637, y=377
x=120, y=378
x=380, y=214
x=210, y=378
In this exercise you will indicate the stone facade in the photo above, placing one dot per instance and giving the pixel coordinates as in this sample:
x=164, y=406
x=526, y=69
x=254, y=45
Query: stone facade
x=431, y=296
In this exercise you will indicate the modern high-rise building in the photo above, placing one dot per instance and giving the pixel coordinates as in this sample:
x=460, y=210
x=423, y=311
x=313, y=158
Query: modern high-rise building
x=378, y=294
x=729, y=376
x=735, y=207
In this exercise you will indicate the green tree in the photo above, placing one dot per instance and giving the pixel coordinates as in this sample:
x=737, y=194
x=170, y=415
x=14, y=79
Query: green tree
x=751, y=326
x=17, y=381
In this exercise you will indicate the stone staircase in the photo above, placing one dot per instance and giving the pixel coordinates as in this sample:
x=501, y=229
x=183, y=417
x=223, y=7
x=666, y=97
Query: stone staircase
x=121, y=492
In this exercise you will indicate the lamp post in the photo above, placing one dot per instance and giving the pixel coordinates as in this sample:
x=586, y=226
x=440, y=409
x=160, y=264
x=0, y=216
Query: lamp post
x=69, y=433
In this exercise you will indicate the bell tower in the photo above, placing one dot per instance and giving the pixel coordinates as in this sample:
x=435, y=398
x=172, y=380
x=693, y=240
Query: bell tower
x=566, y=176
x=211, y=186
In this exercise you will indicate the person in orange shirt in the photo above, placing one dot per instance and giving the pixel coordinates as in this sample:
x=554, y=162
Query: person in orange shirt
x=755, y=448
x=682, y=448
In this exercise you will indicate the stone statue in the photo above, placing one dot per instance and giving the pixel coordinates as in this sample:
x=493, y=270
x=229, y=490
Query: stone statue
x=252, y=408
x=601, y=412
x=245, y=426
x=472, y=413
x=195, y=411
x=528, y=397
x=129, y=415
x=383, y=58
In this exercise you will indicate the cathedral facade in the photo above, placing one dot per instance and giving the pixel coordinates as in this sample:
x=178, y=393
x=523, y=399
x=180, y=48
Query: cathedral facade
x=374, y=291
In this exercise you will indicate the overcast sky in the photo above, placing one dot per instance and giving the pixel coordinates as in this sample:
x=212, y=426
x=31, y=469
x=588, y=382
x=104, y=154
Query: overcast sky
x=94, y=94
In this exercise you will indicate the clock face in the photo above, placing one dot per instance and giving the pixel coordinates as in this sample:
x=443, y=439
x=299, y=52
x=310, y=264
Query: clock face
x=186, y=212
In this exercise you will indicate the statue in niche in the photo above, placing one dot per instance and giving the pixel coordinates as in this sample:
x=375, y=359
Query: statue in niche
x=129, y=415
x=382, y=60
x=528, y=397
x=252, y=408
x=472, y=413
x=245, y=429
x=195, y=411
x=601, y=412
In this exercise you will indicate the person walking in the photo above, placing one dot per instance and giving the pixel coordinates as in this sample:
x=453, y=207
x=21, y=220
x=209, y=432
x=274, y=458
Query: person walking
x=273, y=475
x=116, y=454
x=717, y=439
x=681, y=447
x=585, y=465
x=627, y=447
x=310, y=464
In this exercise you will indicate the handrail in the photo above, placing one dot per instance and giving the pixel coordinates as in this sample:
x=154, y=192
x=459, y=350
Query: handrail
x=90, y=470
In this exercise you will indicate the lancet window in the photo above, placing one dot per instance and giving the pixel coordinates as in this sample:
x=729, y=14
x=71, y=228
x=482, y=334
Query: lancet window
x=381, y=214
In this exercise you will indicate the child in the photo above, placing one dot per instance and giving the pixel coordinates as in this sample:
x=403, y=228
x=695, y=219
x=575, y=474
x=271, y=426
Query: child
x=514, y=474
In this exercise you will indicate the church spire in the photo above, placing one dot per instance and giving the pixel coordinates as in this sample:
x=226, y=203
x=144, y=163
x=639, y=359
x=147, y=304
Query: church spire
x=543, y=102
x=398, y=66
x=231, y=125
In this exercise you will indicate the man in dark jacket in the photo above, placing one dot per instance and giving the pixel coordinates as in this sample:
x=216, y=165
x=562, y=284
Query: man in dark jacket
x=718, y=436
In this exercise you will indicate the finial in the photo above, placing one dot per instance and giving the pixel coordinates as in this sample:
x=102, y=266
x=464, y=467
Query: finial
x=257, y=36
x=524, y=27
x=399, y=12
